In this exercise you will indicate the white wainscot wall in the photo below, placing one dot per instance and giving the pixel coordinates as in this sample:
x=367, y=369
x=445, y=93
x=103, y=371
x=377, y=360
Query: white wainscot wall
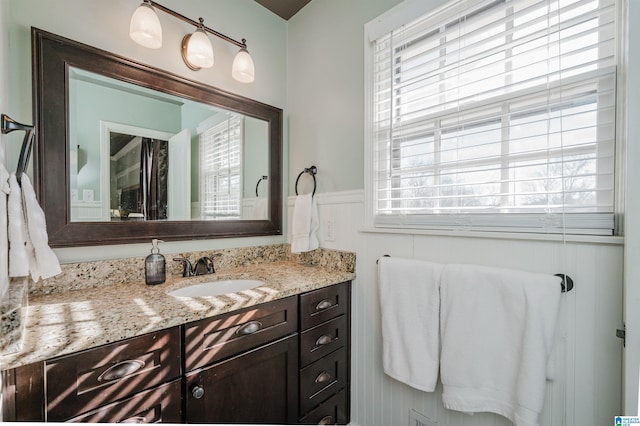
x=588, y=357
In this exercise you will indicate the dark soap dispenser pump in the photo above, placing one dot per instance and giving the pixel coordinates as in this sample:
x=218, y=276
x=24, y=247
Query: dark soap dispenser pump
x=155, y=265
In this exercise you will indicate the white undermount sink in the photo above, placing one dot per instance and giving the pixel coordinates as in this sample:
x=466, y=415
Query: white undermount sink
x=215, y=288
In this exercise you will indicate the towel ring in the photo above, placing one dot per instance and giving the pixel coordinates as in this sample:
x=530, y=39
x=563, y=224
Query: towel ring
x=312, y=171
x=258, y=184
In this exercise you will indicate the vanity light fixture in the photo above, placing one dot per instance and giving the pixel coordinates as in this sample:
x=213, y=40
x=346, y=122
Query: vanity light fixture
x=196, y=49
x=197, y=52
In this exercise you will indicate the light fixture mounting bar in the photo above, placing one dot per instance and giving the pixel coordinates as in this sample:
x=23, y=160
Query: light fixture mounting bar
x=168, y=11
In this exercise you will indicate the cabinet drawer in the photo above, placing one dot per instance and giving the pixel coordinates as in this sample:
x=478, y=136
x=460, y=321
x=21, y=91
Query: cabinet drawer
x=322, y=379
x=323, y=304
x=323, y=339
x=330, y=412
x=213, y=339
x=83, y=381
x=159, y=405
x=258, y=386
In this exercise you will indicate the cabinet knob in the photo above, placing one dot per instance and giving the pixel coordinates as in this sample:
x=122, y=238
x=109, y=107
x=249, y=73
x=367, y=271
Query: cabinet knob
x=249, y=328
x=325, y=339
x=326, y=420
x=197, y=392
x=324, y=304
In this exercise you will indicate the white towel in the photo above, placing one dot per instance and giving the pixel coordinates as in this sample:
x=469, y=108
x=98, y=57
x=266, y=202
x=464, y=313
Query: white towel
x=305, y=224
x=18, y=234
x=497, y=329
x=409, y=304
x=47, y=264
x=260, y=209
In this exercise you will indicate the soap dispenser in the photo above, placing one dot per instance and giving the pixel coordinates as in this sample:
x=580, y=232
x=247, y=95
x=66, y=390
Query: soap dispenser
x=155, y=265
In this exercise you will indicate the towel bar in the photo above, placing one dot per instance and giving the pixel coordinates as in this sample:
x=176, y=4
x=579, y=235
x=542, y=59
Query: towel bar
x=566, y=284
x=312, y=171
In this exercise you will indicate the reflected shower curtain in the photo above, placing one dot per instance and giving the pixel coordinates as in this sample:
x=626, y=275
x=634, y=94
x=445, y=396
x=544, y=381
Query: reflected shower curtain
x=154, y=165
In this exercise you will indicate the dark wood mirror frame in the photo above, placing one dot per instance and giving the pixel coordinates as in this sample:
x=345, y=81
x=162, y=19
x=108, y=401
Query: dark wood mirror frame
x=52, y=56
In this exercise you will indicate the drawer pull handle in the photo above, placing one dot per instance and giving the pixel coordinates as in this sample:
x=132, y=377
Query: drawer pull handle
x=325, y=339
x=135, y=419
x=323, y=377
x=120, y=370
x=324, y=305
x=326, y=420
x=249, y=328
x=197, y=392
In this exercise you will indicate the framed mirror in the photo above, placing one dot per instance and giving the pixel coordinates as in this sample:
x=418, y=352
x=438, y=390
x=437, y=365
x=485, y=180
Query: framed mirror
x=126, y=152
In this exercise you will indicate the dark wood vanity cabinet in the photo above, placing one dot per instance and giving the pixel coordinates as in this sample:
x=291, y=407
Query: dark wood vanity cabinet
x=280, y=362
x=325, y=329
x=133, y=380
x=242, y=367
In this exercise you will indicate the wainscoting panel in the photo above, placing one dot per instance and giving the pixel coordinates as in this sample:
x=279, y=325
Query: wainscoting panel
x=587, y=389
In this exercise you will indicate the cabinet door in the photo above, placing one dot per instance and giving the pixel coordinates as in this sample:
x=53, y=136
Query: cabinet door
x=256, y=387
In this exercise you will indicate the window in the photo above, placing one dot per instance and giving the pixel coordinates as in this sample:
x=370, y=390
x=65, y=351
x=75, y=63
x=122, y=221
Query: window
x=221, y=170
x=495, y=115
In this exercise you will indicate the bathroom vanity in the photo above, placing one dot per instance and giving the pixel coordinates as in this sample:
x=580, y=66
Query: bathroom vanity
x=278, y=354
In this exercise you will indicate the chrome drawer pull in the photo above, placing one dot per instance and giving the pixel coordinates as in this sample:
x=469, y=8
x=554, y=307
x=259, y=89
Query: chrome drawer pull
x=323, y=377
x=120, y=370
x=135, y=419
x=249, y=328
x=324, y=304
x=197, y=392
x=325, y=339
x=326, y=420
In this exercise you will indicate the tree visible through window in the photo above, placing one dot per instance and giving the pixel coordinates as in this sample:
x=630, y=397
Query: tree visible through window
x=497, y=115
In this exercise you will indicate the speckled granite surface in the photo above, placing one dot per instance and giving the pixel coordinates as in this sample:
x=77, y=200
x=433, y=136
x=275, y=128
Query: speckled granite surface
x=11, y=315
x=94, y=303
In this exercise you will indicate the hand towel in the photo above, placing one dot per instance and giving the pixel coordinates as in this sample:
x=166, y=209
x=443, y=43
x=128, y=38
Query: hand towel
x=18, y=234
x=46, y=260
x=409, y=304
x=260, y=209
x=305, y=224
x=497, y=330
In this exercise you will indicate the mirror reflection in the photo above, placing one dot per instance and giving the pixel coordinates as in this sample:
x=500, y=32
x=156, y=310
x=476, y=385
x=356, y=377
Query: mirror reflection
x=142, y=155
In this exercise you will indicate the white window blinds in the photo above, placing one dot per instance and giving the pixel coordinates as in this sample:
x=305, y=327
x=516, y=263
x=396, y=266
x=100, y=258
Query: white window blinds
x=221, y=170
x=497, y=115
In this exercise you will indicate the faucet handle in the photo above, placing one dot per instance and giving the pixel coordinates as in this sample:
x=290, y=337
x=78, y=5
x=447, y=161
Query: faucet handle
x=187, y=270
x=207, y=263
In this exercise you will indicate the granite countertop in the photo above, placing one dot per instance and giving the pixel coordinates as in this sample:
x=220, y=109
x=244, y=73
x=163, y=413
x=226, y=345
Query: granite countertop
x=64, y=322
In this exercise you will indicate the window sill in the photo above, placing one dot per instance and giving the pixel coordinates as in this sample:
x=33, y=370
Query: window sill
x=593, y=239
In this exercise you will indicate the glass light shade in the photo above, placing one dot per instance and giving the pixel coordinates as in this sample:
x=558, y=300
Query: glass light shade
x=199, y=53
x=145, y=27
x=243, y=69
